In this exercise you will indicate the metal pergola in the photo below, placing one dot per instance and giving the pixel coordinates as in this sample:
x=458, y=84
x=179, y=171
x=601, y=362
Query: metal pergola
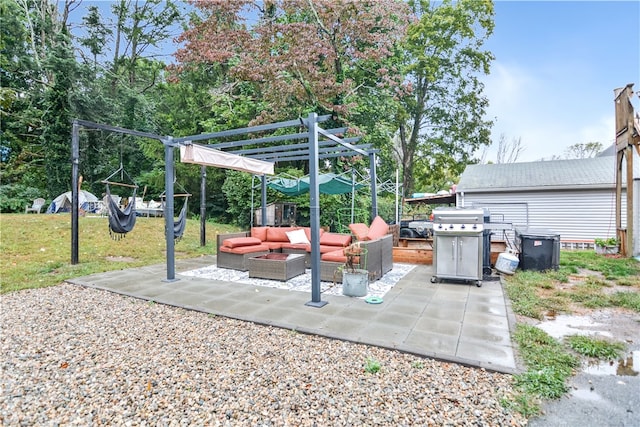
x=314, y=144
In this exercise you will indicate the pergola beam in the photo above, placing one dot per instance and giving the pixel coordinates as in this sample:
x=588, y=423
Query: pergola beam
x=341, y=142
x=277, y=148
x=242, y=131
x=325, y=153
x=268, y=139
x=118, y=129
x=300, y=149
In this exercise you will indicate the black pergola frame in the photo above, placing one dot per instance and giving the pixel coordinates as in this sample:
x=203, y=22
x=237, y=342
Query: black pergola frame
x=332, y=146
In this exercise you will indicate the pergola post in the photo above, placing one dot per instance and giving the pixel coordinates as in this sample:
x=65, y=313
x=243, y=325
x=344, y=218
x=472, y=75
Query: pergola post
x=374, y=189
x=75, y=159
x=263, y=200
x=203, y=205
x=314, y=210
x=168, y=208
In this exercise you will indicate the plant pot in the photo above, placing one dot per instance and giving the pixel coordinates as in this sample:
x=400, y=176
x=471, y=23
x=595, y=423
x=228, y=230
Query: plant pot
x=355, y=283
x=607, y=250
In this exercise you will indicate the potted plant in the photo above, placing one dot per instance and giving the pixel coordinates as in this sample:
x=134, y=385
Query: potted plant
x=355, y=276
x=607, y=246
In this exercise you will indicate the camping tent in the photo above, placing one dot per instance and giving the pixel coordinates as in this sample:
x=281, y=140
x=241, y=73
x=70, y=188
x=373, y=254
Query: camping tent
x=87, y=201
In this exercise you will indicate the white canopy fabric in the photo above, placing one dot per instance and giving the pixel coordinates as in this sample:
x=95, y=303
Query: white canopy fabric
x=200, y=155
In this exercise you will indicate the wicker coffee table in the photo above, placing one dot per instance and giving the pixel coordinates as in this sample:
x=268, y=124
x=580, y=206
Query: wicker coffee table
x=276, y=266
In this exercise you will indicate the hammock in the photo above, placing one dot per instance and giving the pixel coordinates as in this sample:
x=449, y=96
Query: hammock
x=121, y=221
x=180, y=224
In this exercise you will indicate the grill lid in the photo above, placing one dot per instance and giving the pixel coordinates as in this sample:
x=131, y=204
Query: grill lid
x=458, y=216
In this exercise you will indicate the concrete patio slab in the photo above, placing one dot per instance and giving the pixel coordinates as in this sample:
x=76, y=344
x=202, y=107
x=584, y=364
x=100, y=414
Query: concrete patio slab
x=455, y=322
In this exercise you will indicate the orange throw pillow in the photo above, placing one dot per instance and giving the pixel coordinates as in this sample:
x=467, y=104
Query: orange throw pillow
x=359, y=230
x=378, y=229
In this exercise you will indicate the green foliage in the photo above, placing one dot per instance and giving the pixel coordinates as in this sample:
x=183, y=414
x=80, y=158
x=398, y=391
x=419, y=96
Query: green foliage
x=522, y=403
x=611, y=241
x=546, y=383
x=57, y=118
x=592, y=347
x=14, y=197
x=525, y=287
x=237, y=191
x=372, y=366
x=522, y=289
x=387, y=208
x=612, y=268
x=590, y=294
x=441, y=111
x=533, y=294
x=548, y=364
x=630, y=300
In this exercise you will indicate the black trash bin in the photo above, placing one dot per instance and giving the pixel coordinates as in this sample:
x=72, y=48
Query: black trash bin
x=486, y=246
x=539, y=249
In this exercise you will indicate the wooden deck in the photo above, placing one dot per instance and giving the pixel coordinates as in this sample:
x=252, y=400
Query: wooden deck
x=420, y=251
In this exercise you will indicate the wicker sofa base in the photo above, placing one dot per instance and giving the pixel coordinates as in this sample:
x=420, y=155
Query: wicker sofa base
x=236, y=261
x=276, y=266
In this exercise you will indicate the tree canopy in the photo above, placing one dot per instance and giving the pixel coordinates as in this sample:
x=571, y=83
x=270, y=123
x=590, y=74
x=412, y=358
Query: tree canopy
x=402, y=74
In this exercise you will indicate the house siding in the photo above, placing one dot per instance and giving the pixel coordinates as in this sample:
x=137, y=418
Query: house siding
x=575, y=215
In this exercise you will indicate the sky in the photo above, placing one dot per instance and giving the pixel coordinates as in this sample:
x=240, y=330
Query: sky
x=557, y=65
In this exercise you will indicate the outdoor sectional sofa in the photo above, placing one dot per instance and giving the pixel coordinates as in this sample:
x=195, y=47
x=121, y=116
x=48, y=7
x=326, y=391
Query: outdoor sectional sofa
x=235, y=249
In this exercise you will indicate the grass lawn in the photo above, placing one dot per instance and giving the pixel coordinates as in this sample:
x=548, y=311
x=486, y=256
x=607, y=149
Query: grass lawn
x=36, y=249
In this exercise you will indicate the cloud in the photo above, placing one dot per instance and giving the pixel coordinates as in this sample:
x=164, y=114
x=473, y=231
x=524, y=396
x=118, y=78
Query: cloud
x=546, y=114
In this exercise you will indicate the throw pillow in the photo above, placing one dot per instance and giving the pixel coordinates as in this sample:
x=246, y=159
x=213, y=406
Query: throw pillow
x=359, y=230
x=298, y=237
x=378, y=228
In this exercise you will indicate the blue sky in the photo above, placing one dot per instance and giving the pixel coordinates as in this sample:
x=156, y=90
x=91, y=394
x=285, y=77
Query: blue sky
x=557, y=65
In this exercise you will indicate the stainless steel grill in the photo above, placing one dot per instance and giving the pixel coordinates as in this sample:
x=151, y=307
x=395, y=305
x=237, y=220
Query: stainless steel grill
x=458, y=244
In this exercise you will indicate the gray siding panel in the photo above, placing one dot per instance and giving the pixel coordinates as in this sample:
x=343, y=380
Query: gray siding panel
x=575, y=215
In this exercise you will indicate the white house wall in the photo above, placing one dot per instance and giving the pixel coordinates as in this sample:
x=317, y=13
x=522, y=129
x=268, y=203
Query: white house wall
x=575, y=215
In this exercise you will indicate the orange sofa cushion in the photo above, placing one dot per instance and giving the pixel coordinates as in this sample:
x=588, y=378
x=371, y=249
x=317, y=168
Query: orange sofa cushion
x=334, y=256
x=236, y=242
x=335, y=239
x=299, y=246
x=378, y=229
x=278, y=234
x=274, y=246
x=259, y=232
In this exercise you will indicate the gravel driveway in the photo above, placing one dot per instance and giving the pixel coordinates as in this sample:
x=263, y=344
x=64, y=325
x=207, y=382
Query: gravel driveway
x=76, y=356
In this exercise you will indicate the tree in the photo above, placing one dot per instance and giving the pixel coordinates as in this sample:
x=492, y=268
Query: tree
x=139, y=26
x=507, y=152
x=295, y=57
x=583, y=151
x=31, y=31
x=56, y=120
x=301, y=55
x=98, y=34
x=440, y=115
